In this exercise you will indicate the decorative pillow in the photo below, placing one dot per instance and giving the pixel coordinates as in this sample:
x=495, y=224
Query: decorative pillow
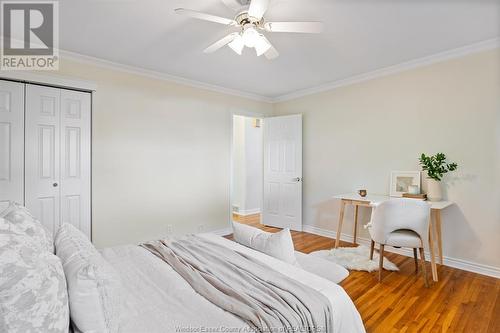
x=278, y=245
x=93, y=285
x=244, y=234
x=24, y=223
x=70, y=241
x=33, y=294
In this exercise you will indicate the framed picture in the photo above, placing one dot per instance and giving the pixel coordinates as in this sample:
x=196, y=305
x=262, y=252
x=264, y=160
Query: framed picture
x=401, y=180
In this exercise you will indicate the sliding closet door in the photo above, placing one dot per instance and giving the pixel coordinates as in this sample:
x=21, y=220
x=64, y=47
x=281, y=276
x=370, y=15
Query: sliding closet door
x=42, y=190
x=75, y=159
x=11, y=143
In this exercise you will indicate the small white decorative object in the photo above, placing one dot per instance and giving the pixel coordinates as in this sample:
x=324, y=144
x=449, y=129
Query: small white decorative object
x=434, y=190
x=402, y=180
x=414, y=189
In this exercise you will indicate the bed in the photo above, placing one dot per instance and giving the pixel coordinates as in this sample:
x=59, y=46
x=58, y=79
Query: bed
x=157, y=299
x=54, y=283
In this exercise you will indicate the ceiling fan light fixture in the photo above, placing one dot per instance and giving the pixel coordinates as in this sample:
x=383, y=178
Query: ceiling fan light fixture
x=262, y=46
x=250, y=37
x=237, y=44
x=250, y=21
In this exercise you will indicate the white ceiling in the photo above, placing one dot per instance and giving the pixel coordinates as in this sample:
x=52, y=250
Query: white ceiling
x=360, y=36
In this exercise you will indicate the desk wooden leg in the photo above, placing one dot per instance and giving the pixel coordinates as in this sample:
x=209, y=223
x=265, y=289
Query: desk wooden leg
x=432, y=247
x=438, y=236
x=355, y=222
x=341, y=220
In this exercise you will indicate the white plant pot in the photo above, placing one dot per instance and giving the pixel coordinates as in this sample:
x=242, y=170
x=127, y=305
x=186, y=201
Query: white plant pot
x=434, y=190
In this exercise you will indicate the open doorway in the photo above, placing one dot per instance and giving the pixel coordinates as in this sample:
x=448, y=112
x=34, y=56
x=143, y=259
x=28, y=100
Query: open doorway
x=247, y=169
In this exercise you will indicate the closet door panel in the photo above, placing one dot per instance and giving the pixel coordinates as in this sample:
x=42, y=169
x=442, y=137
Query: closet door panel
x=42, y=154
x=75, y=159
x=11, y=143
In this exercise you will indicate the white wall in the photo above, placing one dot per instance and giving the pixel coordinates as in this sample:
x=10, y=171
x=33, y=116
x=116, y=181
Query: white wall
x=238, y=173
x=247, y=165
x=161, y=155
x=355, y=135
x=253, y=155
x=161, y=151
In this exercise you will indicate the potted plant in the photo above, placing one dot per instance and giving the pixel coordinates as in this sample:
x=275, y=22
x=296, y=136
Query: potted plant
x=435, y=166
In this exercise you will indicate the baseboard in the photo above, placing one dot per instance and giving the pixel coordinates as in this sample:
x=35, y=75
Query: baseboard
x=447, y=261
x=247, y=212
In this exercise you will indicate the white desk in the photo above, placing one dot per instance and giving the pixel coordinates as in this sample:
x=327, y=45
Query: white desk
x=374, y=200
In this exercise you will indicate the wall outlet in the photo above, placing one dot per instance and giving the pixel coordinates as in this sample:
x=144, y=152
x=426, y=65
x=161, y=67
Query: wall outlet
x=170, y=229
x=201, y=228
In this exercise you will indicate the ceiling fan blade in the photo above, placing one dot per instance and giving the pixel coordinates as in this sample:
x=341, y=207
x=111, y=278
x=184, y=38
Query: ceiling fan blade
x=220, y=43
x=204, y=16
x=258, y=8
x=300, y=27
x=272, y=53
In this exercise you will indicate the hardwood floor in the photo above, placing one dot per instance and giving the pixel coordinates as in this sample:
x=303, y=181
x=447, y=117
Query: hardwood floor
x=460, y=302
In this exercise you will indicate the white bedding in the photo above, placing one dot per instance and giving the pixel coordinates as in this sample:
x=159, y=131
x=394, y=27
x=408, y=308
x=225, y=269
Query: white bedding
x=157, y=299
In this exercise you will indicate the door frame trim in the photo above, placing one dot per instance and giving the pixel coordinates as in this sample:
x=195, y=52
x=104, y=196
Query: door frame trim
x=231, y=156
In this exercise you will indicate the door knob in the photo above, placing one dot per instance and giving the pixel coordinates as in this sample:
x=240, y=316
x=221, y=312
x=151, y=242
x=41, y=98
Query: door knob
x=298, y=179
x=54, y=185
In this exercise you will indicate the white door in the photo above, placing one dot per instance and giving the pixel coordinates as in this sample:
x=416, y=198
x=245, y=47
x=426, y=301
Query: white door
x=75, y=159
x=283, y=172
x=57, y=157
x=11, y=143
x=42, y=191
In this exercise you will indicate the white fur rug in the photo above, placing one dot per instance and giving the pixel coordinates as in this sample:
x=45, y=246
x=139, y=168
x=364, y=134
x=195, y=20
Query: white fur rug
x=356, y=258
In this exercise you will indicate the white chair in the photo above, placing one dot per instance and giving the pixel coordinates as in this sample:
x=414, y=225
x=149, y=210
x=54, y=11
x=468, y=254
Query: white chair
x=400, y=223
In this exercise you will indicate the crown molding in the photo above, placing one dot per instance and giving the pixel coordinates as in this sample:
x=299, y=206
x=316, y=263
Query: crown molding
x=160, y=76
x=424, y=61
x=401, y=67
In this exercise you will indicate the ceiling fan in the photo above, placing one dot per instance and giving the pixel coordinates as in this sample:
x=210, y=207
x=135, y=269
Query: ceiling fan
x=250, y=23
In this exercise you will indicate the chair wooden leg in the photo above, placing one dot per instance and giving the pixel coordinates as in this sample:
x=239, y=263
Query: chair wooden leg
x=424, y=271
x=372, y=247
x=416, y=259
x=381, y=262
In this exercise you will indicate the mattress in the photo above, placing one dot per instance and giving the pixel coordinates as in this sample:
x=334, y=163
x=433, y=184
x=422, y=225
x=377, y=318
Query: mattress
x=157, y=299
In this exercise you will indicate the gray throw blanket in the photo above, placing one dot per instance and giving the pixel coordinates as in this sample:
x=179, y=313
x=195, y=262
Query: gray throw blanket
x=265, y=299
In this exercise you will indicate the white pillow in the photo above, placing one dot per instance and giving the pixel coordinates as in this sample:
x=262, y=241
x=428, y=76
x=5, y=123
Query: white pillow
x=70, y=242
x=278, y=245
x=321, y=267
x=33, y=294
x=93, y=285
x=244, y=234
x=24, y=223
